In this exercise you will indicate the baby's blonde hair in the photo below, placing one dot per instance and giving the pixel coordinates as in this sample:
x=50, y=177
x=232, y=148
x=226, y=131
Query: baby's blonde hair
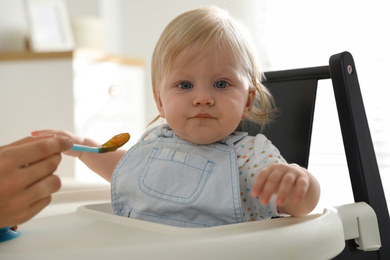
x=204, y=30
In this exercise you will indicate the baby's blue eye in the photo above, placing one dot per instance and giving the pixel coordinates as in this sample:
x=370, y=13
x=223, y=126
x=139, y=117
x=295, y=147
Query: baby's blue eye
x=221, y=84
x=185, y=85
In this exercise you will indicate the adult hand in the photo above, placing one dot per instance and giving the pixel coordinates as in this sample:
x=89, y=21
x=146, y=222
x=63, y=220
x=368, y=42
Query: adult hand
x=65, y=134
x=26, y=176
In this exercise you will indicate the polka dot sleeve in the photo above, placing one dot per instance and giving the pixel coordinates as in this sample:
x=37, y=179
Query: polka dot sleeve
x=254, y=154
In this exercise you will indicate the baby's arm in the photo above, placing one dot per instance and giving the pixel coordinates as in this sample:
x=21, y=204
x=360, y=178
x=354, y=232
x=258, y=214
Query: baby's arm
x=297, y=190
x=102, y=164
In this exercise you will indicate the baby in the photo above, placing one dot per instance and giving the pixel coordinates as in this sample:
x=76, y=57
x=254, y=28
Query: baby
x=197, y=170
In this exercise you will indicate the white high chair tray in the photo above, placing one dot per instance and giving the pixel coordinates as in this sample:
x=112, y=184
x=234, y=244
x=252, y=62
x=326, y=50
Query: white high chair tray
x=94, y=232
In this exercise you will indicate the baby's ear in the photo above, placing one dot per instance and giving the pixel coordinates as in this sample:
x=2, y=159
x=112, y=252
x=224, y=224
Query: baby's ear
x=249, y=102
x=159, y=105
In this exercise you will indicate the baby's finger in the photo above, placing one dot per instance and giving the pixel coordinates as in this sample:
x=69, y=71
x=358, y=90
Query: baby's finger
x=258, y=185
x=271, y=186
x=301, y=188
x=285, y=188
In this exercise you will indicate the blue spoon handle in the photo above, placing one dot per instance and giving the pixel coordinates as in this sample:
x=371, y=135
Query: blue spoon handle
x=83, y=148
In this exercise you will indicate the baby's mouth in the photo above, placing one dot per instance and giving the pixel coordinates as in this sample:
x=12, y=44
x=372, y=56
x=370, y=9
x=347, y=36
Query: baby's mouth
x=204, y=116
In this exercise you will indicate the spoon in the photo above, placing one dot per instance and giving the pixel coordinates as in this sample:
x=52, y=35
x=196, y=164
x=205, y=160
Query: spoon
x=111, y=145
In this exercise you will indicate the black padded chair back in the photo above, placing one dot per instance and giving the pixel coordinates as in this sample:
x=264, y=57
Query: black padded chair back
x=294, y=92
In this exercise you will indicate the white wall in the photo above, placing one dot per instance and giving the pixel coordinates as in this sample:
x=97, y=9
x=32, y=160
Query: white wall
x=36, y=94
x=83, y=7
x=12, y=25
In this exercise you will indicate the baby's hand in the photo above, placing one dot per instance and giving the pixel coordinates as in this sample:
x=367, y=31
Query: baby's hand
x=76, y=139
x=288, y=182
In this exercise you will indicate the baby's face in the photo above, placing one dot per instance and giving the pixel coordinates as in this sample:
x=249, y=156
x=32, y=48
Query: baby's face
x=205, y=99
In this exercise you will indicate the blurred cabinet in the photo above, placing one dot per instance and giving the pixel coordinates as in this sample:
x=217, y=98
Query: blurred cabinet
x=108, y=99
x=92, y=94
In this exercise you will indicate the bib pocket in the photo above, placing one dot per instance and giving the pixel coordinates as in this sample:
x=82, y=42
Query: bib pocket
x=174, y=176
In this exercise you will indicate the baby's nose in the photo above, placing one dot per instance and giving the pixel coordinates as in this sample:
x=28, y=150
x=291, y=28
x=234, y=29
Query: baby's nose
x=203, y=97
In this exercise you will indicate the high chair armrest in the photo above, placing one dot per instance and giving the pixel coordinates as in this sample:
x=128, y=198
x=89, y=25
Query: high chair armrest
x=360, y=223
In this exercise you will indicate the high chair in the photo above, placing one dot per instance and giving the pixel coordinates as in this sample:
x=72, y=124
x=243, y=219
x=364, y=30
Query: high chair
x=360, y=230
x=295, y=94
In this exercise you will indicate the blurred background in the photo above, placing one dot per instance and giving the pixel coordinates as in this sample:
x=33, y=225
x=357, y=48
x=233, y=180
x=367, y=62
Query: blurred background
x=96, y=82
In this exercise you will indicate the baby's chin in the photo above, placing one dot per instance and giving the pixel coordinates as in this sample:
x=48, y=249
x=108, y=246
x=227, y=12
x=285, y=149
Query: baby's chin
x=203, y=138
x=199, y=132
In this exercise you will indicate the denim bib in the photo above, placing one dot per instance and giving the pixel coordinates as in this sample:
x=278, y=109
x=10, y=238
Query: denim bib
x=172, y=181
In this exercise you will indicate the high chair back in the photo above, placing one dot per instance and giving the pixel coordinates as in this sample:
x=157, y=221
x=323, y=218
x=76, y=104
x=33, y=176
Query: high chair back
x=295, y=94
